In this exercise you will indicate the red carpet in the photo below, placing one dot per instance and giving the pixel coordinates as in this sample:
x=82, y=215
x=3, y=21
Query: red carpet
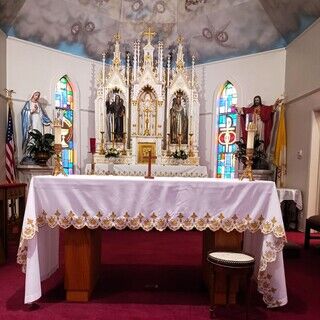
x=157, y=275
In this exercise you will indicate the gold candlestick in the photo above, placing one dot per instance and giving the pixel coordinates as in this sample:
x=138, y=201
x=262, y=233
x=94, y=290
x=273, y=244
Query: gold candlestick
x=102, y=149
x=112, y=134
x=168, y=144
x=179, y=141
x=124, y=151
x=58, y=168
x=92, y=164
x=248, y=169
x=191, y=154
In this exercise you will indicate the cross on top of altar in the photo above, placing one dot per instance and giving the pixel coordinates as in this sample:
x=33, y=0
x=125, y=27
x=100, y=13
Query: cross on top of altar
x=117, y=37
x=180, y=39
x=150, y=34
x=180, y=56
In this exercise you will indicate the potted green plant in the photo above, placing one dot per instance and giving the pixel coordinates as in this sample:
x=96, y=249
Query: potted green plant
x=259, y=155
x=40, y=147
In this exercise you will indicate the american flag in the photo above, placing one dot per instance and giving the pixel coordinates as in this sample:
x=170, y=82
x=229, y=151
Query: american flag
x=10, y=148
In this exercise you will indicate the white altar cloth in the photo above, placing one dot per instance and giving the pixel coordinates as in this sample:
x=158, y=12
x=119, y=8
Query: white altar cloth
x=290, y=194
x=135, y=202
x=141, y=170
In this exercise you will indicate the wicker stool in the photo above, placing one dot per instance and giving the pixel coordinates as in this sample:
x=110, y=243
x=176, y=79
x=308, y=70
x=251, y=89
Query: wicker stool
x=228, y=264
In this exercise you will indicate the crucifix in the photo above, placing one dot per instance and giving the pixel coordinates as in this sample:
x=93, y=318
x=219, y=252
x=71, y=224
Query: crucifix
x=149, y=34
x=146, y=130
x=117, y=36
x=149, y=157
x=180, y=39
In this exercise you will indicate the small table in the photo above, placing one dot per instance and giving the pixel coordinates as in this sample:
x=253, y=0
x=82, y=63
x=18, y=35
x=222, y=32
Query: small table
x=10, y=191
x=291, y=204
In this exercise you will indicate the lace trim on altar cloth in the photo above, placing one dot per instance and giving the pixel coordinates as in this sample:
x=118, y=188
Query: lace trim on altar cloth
x=161, y=223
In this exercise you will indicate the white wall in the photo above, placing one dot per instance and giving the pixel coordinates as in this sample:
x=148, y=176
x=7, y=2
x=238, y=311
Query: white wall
x=303, y=92
x=3, y=109
x=259, y=74
x=303, y=63
x=33, y=67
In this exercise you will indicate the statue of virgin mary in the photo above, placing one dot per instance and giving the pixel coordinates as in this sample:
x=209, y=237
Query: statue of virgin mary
x=33, y=116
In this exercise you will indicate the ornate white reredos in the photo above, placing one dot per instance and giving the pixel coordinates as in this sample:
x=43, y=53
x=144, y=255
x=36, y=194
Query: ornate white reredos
x=141, y=105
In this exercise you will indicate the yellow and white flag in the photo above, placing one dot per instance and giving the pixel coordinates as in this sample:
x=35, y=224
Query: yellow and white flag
x=280, y=153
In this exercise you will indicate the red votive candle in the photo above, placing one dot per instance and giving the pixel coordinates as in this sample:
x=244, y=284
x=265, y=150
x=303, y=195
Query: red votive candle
x=93, y=145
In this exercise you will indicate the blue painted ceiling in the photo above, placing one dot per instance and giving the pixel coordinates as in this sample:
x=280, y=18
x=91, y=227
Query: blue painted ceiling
x=212, y=29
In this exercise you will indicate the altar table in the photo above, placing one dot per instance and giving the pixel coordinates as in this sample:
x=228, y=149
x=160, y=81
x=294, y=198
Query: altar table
x=134, y=202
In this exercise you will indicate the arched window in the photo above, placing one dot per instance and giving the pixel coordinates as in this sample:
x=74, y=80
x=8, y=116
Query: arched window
x=227, y=122
x=65, y=102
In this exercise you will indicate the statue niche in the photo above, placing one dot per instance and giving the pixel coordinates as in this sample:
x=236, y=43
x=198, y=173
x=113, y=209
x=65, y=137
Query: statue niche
x=115, y=117
x=179, y=119
x=147, y=112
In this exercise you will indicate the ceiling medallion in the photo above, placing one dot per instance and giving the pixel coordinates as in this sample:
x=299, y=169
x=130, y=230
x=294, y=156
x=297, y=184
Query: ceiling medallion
x=76, y=28
x=137, y=5
x=160, y=7
x=207, y=33
x=90, y=26
x=221, y=36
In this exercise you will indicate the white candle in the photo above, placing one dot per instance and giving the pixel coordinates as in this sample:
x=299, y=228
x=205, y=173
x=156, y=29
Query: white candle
x=250, y=139
x=101, y=122
x=57, y=133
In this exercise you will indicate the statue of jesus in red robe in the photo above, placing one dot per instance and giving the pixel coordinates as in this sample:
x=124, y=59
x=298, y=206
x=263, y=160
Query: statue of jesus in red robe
x=262, y=115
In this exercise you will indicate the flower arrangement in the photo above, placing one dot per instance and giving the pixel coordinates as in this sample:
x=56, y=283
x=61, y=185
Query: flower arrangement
x=179, y=154
x=112, y=152
x=259, y=155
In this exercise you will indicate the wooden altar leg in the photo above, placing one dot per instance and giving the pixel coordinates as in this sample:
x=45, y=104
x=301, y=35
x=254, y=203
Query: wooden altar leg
x=82, y=249
x=220, y=241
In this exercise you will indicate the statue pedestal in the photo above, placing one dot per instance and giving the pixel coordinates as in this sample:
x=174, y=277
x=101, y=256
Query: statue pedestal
x=26, y=172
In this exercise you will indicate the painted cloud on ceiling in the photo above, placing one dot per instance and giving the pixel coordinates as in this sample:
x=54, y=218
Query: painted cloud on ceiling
x=212, y=29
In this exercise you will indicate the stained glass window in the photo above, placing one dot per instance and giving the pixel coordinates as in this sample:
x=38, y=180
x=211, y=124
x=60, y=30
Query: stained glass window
x=65, y=103
x=227, y=122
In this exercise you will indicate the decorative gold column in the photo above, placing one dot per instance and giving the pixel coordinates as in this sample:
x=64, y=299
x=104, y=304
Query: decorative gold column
x=168, y=144
x=101, y=148
x=112, y=134
x=58, y=168
x=93, y=167
x=124, y=151
x=179, y=141
x=191, y=154
x=248, y=169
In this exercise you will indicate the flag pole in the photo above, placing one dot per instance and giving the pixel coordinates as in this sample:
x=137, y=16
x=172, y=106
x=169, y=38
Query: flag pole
x=10, y=143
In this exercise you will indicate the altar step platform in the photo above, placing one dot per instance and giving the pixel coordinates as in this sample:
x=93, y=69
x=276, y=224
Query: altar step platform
x=141, y=170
